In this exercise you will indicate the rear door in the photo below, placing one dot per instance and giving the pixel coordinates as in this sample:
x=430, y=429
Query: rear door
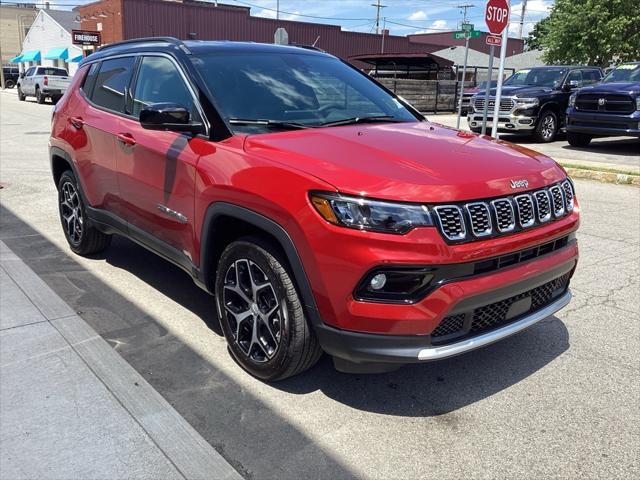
x=97, y=122
x=156, y=169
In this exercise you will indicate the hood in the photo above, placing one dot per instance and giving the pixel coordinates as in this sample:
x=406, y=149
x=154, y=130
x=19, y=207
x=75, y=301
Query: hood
x=419, y=162
x=613, y=87
x=524, y=91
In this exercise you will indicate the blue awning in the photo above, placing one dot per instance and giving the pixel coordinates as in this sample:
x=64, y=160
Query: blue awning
x=57, y=54
x=17, y=59
x=30, y=56
x=77, y=59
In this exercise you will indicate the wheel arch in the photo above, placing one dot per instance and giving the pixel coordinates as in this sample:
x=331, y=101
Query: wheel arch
x=225, y=222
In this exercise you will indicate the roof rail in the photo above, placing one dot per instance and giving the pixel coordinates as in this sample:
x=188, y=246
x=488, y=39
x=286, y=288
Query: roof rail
x=172, y=40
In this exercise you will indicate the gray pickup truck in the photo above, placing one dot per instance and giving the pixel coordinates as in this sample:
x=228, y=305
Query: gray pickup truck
x=43, y=83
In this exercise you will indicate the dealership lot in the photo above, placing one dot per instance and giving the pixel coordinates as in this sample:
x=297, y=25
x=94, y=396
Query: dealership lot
x=561, y=399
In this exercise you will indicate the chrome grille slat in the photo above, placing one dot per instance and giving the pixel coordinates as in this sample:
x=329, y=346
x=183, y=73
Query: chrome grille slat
x=557, y=200
x=465, y=222
x=543, y=205
x=505, y=215
x=480, y=219
x=506, y=104
x=526, y=215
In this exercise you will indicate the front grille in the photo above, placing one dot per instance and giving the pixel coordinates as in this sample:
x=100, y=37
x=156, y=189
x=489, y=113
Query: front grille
x=605, y=102
x=506, y=104
x=484, y=218
x=503, y=312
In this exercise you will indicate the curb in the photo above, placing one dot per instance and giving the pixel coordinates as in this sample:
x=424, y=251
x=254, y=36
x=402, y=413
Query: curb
x=604, y=176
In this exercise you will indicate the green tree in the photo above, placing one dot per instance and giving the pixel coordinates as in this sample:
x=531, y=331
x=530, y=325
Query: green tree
x=540, y=30
x=592, y=32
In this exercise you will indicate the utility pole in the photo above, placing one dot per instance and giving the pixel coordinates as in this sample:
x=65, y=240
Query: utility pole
x=379, y=7
x=466, y=56
x=277, y=9
x=524, y=9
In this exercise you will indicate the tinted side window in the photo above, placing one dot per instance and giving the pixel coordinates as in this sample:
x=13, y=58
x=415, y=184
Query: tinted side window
x=574, y=75
x=591, y=76
x=160, y=81
x=111, y=84
x=90, y=79
x=29, y=72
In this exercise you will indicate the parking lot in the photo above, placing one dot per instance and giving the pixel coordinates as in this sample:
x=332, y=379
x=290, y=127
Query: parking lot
x=561, y=399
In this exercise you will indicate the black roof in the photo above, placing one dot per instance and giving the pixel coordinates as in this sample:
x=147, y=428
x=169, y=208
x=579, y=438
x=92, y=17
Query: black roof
x=197, y=47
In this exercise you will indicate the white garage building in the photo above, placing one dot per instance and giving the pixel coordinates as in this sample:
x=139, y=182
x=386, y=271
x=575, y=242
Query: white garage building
x=48, y=41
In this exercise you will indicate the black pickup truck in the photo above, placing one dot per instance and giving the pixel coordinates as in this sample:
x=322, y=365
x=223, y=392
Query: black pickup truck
x=534, y=100
x=611, y=108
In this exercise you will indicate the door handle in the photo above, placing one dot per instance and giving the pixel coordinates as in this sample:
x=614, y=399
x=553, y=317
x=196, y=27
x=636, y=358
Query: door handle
x=77, y=122
x=126, y=138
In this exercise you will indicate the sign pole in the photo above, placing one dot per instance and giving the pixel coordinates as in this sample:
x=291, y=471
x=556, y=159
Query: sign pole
x=485, y=109
x=503, y=52
x=464, y=76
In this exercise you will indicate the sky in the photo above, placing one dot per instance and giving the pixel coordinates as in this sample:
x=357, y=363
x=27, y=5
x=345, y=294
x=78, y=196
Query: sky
x=401, y=17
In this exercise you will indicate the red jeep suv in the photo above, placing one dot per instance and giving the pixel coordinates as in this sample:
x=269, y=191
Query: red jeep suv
x=321, y=211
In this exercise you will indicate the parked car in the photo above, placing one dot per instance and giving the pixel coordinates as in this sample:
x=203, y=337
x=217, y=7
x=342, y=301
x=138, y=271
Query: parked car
x=43, y=83
x=468, y=93
x=321, y=211
x=534, y=100
x=11, y=75
x=608, y=109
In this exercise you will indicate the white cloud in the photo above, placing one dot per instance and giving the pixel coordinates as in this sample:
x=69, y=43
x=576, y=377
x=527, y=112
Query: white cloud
x=437, y=26
x=419, y=15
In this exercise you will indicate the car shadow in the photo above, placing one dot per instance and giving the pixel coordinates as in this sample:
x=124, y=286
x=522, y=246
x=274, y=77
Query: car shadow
x=618, y=146
x=427, y=389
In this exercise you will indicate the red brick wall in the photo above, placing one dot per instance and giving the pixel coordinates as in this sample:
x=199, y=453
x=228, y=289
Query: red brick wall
x=112, y=25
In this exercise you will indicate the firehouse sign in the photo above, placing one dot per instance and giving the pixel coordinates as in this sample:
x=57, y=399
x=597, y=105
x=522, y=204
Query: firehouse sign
x=497, y=15
x=85, y=37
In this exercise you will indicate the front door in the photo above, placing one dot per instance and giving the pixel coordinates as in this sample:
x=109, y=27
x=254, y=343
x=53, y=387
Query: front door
x=156, y=169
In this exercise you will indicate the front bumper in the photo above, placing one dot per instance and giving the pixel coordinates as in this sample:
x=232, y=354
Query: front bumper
x=507, y=122
x=384, y=349
x=603, y=124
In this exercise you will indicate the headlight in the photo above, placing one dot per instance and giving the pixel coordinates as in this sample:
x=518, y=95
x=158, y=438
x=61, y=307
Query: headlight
x=526, y=102
x=572, y=100
x=374, y=215
x=638, y=102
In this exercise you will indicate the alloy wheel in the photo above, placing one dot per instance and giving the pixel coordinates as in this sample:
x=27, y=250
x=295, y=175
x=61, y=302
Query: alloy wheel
x=548, y=127
x=71, y=212
x=255, y=313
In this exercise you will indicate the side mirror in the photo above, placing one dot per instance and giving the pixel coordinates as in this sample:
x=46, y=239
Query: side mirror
x=21, y=74
x=571, y=85
x=168, y=116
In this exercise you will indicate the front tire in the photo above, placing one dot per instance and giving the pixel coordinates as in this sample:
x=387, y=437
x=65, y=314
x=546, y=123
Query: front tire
x=40, y=98
x=261, y=314
x=578, y=139
x=21, y=96
x=83, y=238
x=547, y=127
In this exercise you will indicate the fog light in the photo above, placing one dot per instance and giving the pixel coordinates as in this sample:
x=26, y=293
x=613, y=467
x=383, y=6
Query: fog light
x=378, y=281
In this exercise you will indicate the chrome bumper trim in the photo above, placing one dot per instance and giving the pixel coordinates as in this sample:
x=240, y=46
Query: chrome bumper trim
x=445, y=351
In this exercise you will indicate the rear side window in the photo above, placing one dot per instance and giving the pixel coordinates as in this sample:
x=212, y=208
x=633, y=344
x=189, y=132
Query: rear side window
x=90, y=79
x=111, y=83
x=160, y=81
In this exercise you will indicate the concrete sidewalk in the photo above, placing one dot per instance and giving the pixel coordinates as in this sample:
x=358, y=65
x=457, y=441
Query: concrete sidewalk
x=71, y=407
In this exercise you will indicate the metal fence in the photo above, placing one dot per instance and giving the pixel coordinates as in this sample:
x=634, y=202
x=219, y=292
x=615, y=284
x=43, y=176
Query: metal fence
x=427, y=95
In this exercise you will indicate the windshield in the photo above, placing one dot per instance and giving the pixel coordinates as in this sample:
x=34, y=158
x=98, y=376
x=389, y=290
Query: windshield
x=306, y=90
x=629, y=72
x=538, y=77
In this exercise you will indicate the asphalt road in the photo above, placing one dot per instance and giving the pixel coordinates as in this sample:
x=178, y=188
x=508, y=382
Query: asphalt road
x=621, y=152
x=559, y=400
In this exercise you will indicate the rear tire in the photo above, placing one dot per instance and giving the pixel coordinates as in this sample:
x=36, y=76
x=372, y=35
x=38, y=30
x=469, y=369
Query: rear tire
x=40, y=98
x=261, y=314
x=547, y=127
x=9, y=83
x=83, y=238
x=578, y=139
x=21, y=96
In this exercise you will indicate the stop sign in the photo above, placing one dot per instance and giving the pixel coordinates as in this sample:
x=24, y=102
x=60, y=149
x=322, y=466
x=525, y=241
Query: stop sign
x=497, y=15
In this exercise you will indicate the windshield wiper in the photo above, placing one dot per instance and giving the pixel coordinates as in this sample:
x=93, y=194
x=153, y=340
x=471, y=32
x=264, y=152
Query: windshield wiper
x=268, y=123
x=353, y=120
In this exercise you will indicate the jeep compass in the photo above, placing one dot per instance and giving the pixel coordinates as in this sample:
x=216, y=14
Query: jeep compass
x=321, y=212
